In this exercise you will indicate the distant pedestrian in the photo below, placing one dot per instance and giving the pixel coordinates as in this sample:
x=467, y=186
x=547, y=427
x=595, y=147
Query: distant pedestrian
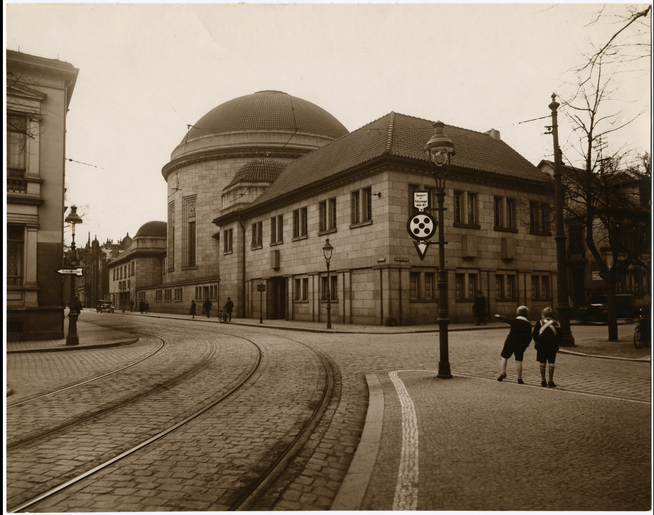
x=228, y=308
x=207, y=307
x=517, y=340
x=141, y=306
x=547, y=336
x=147, y=307
x=479, y=308
x=131, y=305
x=192, y=312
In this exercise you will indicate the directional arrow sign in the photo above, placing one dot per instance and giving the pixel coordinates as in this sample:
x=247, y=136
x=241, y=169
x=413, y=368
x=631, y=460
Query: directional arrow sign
x=421, y=247
x=71, y=271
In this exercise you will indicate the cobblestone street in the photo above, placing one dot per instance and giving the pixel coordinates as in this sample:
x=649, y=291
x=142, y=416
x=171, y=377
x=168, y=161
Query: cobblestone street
x=478, y=444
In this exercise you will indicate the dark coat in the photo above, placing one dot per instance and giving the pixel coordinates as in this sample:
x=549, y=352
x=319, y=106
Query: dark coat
x=479, y=307
x=550, y=337
x=229, y=306
x=193, y=305
x=519, y=336
x=207, y=305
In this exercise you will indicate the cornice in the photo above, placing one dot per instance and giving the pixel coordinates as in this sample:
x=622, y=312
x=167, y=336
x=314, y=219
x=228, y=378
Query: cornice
x=249, y=151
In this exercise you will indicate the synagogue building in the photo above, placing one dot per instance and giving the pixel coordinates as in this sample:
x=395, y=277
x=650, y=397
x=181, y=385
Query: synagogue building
x=259, y=184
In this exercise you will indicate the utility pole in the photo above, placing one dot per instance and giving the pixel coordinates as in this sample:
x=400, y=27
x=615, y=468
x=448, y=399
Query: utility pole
x=563, y=307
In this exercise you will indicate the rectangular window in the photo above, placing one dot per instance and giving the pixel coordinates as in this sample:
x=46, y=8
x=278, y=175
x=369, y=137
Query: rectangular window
x=465, y=208
x=133, y=268
x=511, y=291
x=302, y=289
x=459, y=281
x=276, y=229
x=213, y=292
x=170, y=255
x=414, y=279
x=191, y=244
x=535, y=287
x=499, y=286
x=16, y=145
x=472, y=208
x=158, y=295
x=15, y=254
x=510, y=213
x=257, y=235
x=298, y=289
x=539, y=217
x=458, y=207
x=300, y=223
x=499, y=212
x=331, y=291
x=227, y=241
x=327, y=215
x=472, y=286
x=466, y=286
x=169, y=295
x=545, y=287
x=178, y=294
x=505, y=213
x=361, y=206
x=429, y=285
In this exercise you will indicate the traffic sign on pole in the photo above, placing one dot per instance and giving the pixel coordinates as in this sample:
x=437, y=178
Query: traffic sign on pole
x=71, y=271
x=421, y=226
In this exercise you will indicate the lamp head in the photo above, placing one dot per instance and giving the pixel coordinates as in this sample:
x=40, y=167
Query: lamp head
x=73, y=217
x=327, y=251
x=439, y=148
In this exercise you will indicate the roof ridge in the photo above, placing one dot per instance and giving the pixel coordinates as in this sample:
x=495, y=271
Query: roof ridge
x=391, y=126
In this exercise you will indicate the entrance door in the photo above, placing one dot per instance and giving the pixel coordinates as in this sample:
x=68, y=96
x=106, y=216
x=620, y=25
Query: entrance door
x=277, y=298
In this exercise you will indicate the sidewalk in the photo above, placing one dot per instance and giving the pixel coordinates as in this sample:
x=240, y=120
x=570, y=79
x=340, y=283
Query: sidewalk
x=92, y=336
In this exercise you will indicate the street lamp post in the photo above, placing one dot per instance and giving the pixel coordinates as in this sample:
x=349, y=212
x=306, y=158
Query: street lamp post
x=563, y=306
x=74, y=304
x=440, y=149
x=327, y=251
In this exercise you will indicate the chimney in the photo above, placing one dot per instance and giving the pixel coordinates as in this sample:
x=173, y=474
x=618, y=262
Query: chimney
x=494, y=134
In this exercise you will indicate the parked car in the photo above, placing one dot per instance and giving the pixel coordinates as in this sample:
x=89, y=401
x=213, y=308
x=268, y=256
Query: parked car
x=104, y=306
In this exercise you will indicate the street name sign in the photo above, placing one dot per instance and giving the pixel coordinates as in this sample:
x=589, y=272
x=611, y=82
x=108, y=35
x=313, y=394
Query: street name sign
x=71, y=271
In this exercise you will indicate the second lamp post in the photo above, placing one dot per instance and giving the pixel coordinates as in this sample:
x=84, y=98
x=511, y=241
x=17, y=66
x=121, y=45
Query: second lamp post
x=327, y=251
x=439, y=150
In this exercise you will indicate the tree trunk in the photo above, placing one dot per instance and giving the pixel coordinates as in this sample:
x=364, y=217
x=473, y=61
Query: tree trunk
x=611, y=315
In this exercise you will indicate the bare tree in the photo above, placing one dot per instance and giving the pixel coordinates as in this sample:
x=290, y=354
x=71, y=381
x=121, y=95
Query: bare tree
x=606, y=194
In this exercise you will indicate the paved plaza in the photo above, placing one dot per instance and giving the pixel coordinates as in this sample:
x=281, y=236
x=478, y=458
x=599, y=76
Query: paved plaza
x=395, y=436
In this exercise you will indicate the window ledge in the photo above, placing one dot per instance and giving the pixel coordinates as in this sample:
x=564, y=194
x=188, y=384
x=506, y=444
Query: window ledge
x=189, y=268
x=328, y=231
x=541, y=233
x=276, y=243
x=306, y=301
x=258, y=247
x=467, y=226
x=298, y=238
x=505, y=229
x=361, y=224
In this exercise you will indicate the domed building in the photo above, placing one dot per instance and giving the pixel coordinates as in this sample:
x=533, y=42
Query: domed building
x=136, y=265
x=260, y=182
x=223, y=163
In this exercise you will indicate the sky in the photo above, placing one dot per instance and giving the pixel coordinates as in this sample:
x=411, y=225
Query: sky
x=147, y=71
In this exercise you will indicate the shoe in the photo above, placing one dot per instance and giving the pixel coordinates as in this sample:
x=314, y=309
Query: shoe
x=551, y=384
x=520, y=381
x=502, y=376
x=544, y=383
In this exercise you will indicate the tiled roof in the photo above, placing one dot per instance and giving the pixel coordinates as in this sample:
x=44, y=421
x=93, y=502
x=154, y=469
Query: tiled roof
x=267, y=110
x=401, y=136
x=258, y=170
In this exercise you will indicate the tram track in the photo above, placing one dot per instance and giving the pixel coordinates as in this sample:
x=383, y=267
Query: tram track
x=160, y=346
x=248, y=495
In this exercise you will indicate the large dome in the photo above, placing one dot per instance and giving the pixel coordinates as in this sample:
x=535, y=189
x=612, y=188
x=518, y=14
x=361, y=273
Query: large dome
x=267, y=110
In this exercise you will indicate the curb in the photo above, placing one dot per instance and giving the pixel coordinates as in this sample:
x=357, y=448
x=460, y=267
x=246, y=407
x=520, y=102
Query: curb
x=76, y=347
x=353, y=488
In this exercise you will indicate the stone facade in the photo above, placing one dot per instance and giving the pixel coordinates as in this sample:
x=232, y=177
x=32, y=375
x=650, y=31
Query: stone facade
x=39, y=92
